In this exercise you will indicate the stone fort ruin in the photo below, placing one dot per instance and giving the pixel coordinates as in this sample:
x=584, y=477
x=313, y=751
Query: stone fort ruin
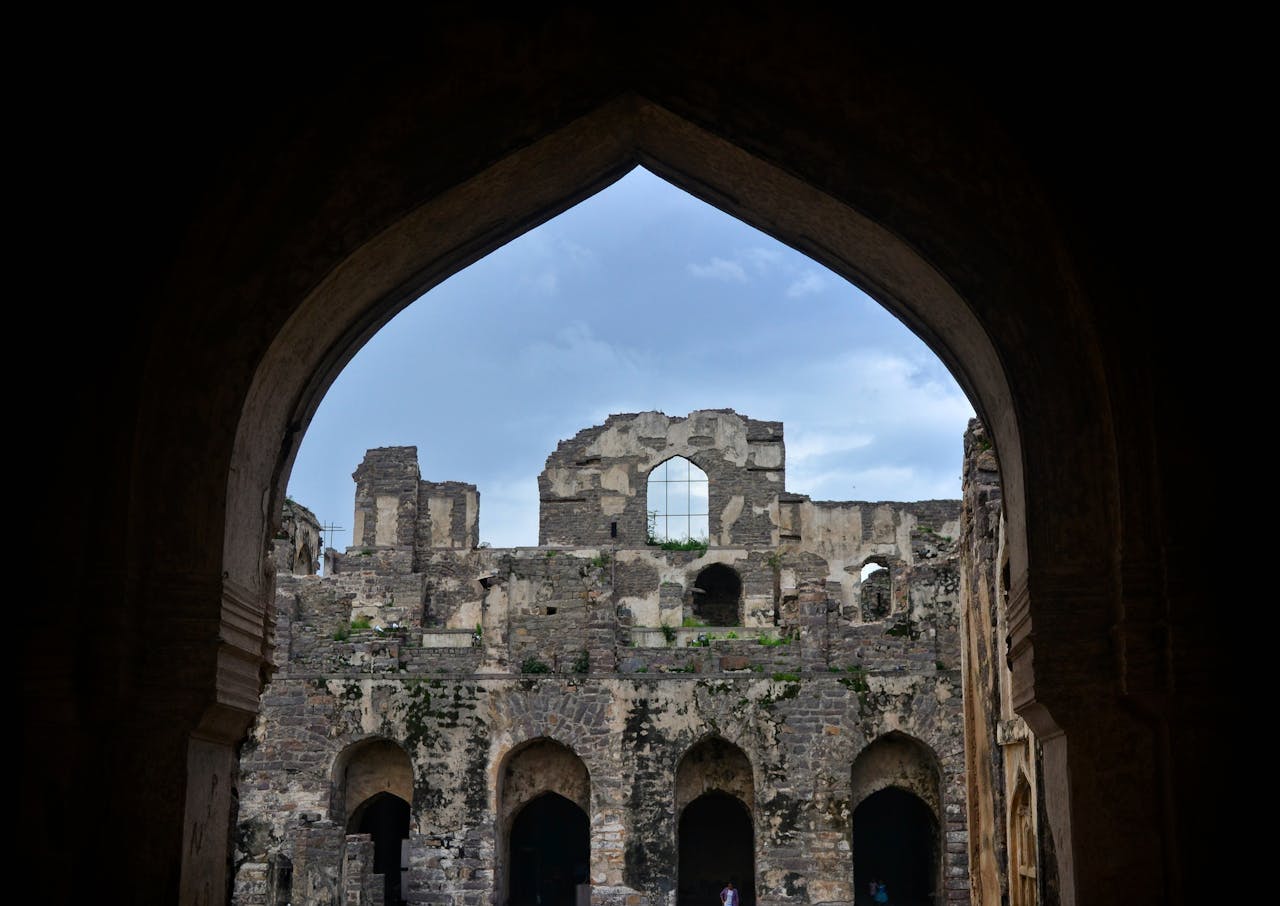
x=616, y=717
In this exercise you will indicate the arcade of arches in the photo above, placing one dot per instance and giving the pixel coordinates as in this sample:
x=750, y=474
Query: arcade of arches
x=278, y=221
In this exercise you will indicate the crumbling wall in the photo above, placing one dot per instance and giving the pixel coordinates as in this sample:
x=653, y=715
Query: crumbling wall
x=298, y=542
x=386, y=506
x=448, y=517
x=598, y=479
x=420, y=642
x=800, y=733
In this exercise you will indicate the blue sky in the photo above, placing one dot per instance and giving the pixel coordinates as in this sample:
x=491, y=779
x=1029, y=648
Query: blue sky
x=641, y=297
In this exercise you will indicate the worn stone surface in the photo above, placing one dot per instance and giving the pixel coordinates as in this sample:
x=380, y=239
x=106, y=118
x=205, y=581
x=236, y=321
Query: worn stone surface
x=1009, y=849
x=470, y=681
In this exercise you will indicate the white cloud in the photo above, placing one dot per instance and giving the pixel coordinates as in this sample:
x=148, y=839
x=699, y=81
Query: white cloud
x=720, y=269
x=813, y=444
x=546, y=282
x=577, y=350
x=891, y=390
x=806, y=284
x=760, y=259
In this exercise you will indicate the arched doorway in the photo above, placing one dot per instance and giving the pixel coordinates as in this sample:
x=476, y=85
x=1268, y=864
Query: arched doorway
x=715, y=827
x=895, y=841
x=717, y=596
x=385, y=816
x=895, y=788
x=342, y=344
x=550, y=851
x=903, y=131
x=1023, y=875
x=543, y=829
x=717, y=845
x=371, y=789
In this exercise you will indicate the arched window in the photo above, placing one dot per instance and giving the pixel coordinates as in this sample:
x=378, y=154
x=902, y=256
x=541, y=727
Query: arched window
x=677, y=502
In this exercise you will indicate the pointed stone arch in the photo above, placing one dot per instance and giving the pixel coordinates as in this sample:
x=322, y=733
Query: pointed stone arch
x=543, y=820
x=717, y=596
x=896, y=819
x=456, y=226
x=715, y=822
x=372, y=793
x=365, y=769
x=1024, y=887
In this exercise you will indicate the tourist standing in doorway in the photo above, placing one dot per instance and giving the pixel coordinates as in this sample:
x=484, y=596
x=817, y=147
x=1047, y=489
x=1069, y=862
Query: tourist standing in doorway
x=729, y=896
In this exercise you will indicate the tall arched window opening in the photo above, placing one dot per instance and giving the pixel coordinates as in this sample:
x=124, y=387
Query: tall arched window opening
x=677, y=502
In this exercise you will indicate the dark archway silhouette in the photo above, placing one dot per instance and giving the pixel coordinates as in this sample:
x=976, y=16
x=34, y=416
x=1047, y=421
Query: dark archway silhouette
x=550, y=852
x=717, y=844
x=717, y=594
x=1020, y=223
x=385, y=817
x=895, y=840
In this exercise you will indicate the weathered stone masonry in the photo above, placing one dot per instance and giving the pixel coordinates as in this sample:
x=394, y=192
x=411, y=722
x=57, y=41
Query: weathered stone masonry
x=1009, y=863
x=577, y=668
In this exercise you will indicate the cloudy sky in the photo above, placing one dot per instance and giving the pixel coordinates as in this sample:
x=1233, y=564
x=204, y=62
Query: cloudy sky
x=641, y=297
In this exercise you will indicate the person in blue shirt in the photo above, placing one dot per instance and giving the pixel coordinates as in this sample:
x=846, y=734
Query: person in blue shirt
x=729, y=896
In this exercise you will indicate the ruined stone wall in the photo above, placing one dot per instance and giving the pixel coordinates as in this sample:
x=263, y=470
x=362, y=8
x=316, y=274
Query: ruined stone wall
x=599, y=477
x=386, y=506
x=801, y=733
x=300, y=532
x=1002, y=752
x=459, y=656
x=448, y=516
x=801, y=704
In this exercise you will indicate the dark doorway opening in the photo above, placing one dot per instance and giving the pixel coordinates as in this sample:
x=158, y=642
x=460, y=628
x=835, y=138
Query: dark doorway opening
x=717, y=591
x=895, y=841
x=550, y=852
x=717, y=844
x=385, y=817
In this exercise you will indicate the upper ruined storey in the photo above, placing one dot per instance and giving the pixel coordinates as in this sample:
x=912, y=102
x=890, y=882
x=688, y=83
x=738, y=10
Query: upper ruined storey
x=597, y=478
x=803, y=664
